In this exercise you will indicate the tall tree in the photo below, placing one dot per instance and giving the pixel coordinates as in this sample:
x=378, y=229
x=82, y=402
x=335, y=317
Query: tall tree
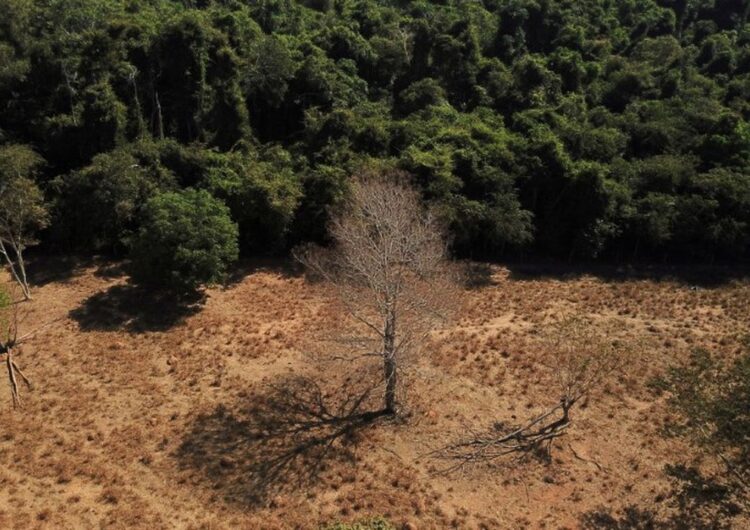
x=389, y=266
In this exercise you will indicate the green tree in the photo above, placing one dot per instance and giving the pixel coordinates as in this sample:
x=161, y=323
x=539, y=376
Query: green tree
x=22, y=208
x=99, y=206
x=262, y=195
x=187, y=239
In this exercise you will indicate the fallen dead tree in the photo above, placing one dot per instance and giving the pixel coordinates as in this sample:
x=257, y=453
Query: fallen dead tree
x=580, y=361
x=14, y=372
x=534, y=436
x=10, y=344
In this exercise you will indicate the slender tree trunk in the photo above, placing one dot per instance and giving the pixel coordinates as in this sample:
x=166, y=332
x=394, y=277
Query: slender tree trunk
x=137, y=101
x=159, y=117
x=13, y=373
x=389, y=363
x=19, y=277
x=12, y=378
x=22, y=271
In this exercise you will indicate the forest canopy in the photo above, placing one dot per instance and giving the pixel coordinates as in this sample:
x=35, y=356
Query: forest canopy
x=572, y=128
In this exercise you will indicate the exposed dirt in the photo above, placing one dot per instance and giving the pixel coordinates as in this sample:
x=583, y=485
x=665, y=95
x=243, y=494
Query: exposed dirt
x=149, y=413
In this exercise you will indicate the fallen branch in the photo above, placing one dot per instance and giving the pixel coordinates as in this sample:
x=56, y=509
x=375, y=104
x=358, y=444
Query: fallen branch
x=538, y=433
x=8, y=346
x=13, y=370
x=579, y=457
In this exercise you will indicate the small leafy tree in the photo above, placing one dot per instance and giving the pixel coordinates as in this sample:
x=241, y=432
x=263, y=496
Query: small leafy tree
x=22, y=208
x=712, y=400
x=186, y=239
x=99, y=206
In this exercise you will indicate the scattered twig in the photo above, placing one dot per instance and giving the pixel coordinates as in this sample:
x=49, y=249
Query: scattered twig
x=579, y=457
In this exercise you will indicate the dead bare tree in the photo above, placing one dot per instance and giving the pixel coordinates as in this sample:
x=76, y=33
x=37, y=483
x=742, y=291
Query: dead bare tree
x=388, y=265
x=10, y=342
x=580, y=360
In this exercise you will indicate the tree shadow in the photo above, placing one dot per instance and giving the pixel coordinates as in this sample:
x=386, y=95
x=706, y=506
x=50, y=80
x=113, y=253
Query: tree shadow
x=696, y=502
x=279, y=443
x=135, y=309
x=633, y=518
x=111, y=270
x=477, y=275
x=704, y=276
x=45, y=269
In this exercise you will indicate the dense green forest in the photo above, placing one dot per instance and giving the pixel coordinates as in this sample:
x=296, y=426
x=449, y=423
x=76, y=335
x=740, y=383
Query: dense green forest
x=617, y=129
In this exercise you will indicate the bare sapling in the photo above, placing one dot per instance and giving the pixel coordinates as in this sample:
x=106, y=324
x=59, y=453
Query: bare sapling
x=11, y=342
x=9, y=345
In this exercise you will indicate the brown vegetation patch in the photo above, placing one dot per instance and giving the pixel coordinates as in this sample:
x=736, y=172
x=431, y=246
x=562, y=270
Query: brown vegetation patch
x=193, y=425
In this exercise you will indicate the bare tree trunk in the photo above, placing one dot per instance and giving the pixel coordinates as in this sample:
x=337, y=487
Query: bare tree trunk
x=71, y=93
x=20, y=277
x=13, y=371
x=133, y=78
x=12, y=377
x=159, y=117
x=389, y=266
x=389, y=363
x=22, y=271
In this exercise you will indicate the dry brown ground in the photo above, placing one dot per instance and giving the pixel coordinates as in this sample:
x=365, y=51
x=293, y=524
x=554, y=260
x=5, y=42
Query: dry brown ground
x=144, y=416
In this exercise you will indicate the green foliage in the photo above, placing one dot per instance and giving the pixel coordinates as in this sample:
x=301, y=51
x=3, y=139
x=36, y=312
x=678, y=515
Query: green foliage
x=712, y=399
x=366, y=524
x=463, y=162
x=99, y=206
x=18, y=161
x=262, y=195
x=186, y=239
x=23, y=211
x=575, y=129
x=7, y=320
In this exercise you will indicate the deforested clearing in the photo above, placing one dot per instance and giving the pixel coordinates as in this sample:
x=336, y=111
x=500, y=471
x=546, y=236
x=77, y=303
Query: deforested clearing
x=220, y=414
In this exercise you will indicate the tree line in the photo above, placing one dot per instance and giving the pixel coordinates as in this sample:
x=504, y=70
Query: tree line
x=574, y=129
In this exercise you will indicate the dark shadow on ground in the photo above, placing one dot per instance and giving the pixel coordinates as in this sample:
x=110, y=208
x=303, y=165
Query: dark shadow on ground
x=704, y=276
x=696, y=502
x=127, y=307
x=42, y=270
x=45, y=269
x=278, y=441
x=110, y=270
x=476, y=275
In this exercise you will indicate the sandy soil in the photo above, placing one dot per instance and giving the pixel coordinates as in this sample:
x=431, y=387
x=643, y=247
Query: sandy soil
x=149, y=415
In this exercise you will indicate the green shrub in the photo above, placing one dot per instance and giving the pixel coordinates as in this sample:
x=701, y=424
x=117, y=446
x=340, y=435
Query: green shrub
x=261, y=193
x=186, y=239
x=376, y=523
x=711, y=398
x=98, y=207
